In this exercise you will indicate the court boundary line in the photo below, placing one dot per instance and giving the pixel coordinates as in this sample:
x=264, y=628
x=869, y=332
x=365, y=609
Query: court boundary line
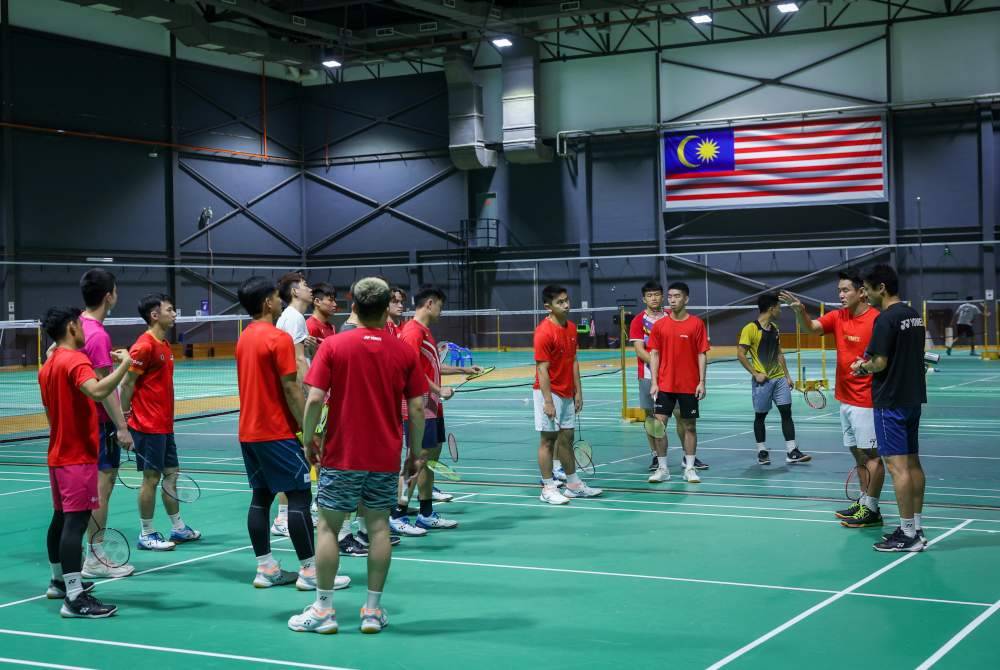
x=774, y=632
x=959, y=636
x=41, y=664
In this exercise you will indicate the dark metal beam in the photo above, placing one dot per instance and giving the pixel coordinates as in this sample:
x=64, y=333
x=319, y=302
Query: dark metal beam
x=8, y=227
x=732, y=275
x=988, y=199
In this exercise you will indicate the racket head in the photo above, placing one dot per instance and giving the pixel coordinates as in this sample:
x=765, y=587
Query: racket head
x=453, y=447
x=853, y=486
x=654, y=427
x=323, y=416
x=441, y=469
x=583, y=453
x=485, y=371
x=110, y=547
x=181, y=487
x=129, y=466
x=815, y=398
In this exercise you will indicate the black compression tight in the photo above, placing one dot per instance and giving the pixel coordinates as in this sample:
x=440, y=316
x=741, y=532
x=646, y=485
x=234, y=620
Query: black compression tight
x=64, y=539
x=787, y=425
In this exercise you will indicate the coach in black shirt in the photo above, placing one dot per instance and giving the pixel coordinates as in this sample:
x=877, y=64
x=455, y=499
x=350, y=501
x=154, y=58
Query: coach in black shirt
x=899, y=388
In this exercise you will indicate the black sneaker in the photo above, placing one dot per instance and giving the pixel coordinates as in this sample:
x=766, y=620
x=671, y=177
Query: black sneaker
x=654, y=465
x=763, y=458
x=86, y=606
x=920, y=535
x=57, y=589
x=849, y=512
x=351, y=547
x=796, y=456
x=362, y=539
x=698, y=465
x=898, y=542
x=863, y=518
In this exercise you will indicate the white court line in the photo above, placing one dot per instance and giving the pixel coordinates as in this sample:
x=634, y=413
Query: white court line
x=464, y=497
x=169, y=650
x=11, y=493
x=39, y=664
x=974, y=381
x=959, y=636
x=829, y=601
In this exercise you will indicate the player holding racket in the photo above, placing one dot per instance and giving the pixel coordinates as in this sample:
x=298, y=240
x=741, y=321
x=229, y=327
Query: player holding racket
x=851, y=327
x=69, y=389
x=759, y=352
x=148, y=403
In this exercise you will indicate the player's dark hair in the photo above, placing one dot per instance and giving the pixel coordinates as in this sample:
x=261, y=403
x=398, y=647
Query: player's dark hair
x=551, y=292
x=652, y=286
x=766, y=302
x=322, y=289
x=852, y=276
x=252, y=294
x=393, y=290
x=680, y=286
x=287, y=283
x=56, y=321
x=371, y=298
x=95, y=284
x=883, y=274
x=969, y=297
x=426, y=293
x=150, y=302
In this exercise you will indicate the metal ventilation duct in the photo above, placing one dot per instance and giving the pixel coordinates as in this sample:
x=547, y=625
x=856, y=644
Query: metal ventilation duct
x=521, y=106
x=465, y=115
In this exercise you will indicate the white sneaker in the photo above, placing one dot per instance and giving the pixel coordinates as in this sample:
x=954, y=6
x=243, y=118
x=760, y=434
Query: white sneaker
x=440, y=496
x=581, y=491
x=311, y=621
x=154, y=542
x=306, y=580
x=435, y=521
x=691, y=476
x=559, y=474
x=280, y=526
x=660, y=475
x=341, y=582
x=402, y=526
x=552, y=496
x=94, y=569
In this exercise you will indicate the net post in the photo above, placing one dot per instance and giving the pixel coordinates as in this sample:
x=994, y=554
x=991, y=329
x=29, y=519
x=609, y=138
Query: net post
x=986, y=326
x=38, y=340
x=927, y=328
x=798, y=353
x=822, y=344
x=499, y=349
x=621, y=347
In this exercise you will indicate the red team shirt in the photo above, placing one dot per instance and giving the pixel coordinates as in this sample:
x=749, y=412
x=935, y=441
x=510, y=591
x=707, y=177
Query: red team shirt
x=366, y=372
x=638, y=331
x=153, y=399
x=73, y=436
x=679, y=344
x=264, y=354
x=557, y=346
x=852, y=335
x=419, y=337
x=318, y=329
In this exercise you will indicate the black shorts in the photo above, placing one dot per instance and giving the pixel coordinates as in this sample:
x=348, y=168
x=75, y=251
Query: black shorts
x=665, y=403
x=965, y=330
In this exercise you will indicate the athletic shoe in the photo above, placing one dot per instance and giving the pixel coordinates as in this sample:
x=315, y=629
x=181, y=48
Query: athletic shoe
x=552, y=496
x=185, y=534
x=403, y=526
x=849, y=512
x=796, y=456
x=660, y=475
x=435, y=521
x=154, y=542
x=351, y=547
x=373, y=621
x=698, y=465
x=86, y=606
x=280, y=526
x=312, y=621
x=763, y=458
x=863, y=518
x=654, y=465
x=306, y=580
x=691, y=476
x=273, y=576
x=559, y=474
x=362, y=538
x=94, y=569
x=920, y=534
x=440, y=496
x=581, y=491
x=57, y=589
x=899, y=542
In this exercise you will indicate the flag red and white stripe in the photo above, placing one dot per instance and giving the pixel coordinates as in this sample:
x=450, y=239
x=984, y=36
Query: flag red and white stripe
x=790, y=163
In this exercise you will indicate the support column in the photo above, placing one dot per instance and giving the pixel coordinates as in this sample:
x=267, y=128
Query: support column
x=7, y=228
x=988, y=198
x=585, y=230
x=170, y=223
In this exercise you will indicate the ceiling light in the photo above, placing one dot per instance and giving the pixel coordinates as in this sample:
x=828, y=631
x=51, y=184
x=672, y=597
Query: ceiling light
x=502, y=43
x=211, y=46
x=701, y=18
x=156, y=19
x=252, y=54
x=331, y=63
x=105, y=7
x=290, y=61
x=788, y=7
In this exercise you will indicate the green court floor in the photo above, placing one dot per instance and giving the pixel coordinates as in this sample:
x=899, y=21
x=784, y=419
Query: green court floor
x=748, y=569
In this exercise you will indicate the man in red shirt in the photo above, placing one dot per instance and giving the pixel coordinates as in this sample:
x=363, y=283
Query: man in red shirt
x=319, y=324
x=363, y=373
x=69, y=389
x=678, y=348
x=558, y=396
x=851, y=327
x=148, y=402
x=271, y=405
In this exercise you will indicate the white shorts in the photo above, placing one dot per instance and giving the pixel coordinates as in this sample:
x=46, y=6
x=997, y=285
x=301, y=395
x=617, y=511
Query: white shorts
x=565, y=418
x=858, y=425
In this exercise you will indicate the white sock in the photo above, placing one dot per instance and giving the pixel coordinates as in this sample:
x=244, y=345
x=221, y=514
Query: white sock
x=661, y=462
x=374, y=600
x=573, y=479
x=147, y=526
x=761, y=447
x=324, y=600
x=908, y=528
x=688, y=461
x=307, y=563
x=918, y=523
x=56, y=571
x=282, y=512
x=176, y=521
x=557, y=464
x=548, y=483
x=265, y=561
x=790, y=446
x=362, y=527
x=870, y=502
x=345, y=529
x=74, y=585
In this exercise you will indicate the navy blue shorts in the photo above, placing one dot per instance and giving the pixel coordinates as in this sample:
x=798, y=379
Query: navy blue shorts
x=110, y=455
x=434, y=433
x=279, y=466
x=154, y=451
x=897, y=430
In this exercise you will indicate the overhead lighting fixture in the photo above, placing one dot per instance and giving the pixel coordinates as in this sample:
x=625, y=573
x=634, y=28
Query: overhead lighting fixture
x=252, y=54
x=701, y=18
x=100, y=259
x=156, y=19
x=211, y=46
x=788, y=7
x=502, y=43
x=104, y=7
x=331, y=63
x=290, y=61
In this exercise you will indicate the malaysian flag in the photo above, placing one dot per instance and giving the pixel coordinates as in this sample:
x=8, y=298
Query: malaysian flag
x=832, y=160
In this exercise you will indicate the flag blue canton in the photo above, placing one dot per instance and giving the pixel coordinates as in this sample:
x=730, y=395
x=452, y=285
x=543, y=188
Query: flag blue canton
x=705, y=151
